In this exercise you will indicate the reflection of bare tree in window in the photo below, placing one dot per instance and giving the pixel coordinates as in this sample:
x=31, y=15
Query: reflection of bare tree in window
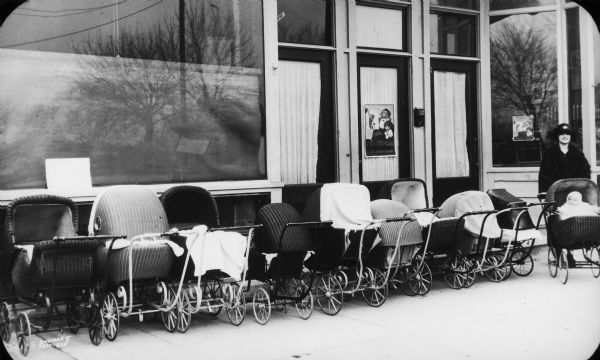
x=524, y=73
x=134, y=83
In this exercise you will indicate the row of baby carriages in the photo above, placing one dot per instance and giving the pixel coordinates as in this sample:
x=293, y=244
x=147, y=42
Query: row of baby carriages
x=169, y=258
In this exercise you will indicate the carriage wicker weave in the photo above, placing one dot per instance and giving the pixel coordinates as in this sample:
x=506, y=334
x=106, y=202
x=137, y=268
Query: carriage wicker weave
x=131, y=211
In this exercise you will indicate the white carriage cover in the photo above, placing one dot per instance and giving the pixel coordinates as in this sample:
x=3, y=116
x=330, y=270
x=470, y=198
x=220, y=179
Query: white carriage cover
x=470, y=201
x=217, y=250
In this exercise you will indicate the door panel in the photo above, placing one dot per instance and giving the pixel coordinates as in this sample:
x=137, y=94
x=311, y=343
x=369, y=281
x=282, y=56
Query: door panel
x=383, y=118
x=454, y=132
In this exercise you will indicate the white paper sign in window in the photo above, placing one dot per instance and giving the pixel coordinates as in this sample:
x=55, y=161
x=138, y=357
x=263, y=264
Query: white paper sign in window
x=68, y=174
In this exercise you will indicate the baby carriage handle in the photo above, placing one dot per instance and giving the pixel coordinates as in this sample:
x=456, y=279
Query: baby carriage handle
x=546, y=205
x=431, y=210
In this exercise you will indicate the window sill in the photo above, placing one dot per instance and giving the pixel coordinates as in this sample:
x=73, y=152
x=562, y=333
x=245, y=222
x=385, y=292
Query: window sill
x=216, y=188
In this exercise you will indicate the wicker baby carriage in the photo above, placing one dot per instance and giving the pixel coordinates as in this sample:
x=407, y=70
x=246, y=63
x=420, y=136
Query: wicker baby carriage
x=52, y=271
x=572, y=233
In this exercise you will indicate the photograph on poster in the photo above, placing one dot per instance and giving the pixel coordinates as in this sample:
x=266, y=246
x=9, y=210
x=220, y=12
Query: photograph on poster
x=523, y=128
x=379, y=125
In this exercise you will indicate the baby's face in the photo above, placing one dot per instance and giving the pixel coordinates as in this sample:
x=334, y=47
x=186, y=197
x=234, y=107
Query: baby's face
x=574, y=199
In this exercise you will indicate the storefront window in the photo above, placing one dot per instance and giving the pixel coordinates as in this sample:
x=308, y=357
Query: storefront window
x=524, y=86
x=574, y=65
x=305, y=21
x=597, y=92
x=462, y=4
x=514, y=4
x=453, y=34
x=150, y=93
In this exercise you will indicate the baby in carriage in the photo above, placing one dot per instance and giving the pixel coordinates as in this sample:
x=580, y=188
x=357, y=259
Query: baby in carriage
x=575, y=206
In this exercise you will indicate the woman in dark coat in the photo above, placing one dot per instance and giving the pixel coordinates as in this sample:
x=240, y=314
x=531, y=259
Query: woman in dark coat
x=562, y=160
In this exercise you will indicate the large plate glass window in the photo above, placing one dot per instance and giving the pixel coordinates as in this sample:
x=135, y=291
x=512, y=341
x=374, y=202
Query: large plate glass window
x=151, y=92
x=523, y=68
x=453, y=34
x=461, y=4
x=574, y=66
x=305, y=21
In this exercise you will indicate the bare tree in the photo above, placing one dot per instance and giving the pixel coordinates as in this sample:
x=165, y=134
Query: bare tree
x=524, y=72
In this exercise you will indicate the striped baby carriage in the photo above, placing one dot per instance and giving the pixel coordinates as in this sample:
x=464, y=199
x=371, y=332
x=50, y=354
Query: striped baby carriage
x=400, y=244
x=52, y=271
x=441, y=244
x=278, y=261
x=134, y=270
x=192, y=207
x=481, y=236
x=347, y=247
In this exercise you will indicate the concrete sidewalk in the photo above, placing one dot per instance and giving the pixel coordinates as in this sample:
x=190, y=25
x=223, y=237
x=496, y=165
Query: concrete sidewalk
x=521, y=318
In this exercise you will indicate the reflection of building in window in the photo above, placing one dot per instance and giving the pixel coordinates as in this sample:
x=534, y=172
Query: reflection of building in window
x=524, y=79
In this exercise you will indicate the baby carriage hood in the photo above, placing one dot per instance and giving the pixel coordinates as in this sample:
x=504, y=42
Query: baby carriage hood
x=470, y=201
x=348, y=206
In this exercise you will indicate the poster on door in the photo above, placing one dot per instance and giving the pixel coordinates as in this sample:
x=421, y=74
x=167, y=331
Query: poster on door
x=379, y=126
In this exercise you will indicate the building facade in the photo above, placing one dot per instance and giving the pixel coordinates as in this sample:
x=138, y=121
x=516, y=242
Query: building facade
x=259, y=101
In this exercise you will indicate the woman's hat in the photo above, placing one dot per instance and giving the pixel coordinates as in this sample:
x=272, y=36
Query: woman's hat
x=564, y=129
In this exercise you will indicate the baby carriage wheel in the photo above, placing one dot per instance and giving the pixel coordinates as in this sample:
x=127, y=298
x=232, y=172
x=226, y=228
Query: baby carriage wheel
x=261, y=305
x=497, y=272
x=211, y=292
x=72, y=310
x=595, y=260
x=184, y=312
x=329, y=294
x=235, y=303
x=521, y=262
x=469, y=279
x=376, y=290
x=23, y=333
x=96, y=325
x=110, y=316
x=453, y=276
x=304, y=307
x=169, y=318
x=552, y=262
x=5, y=328
x=420, y=284
x=563, y=267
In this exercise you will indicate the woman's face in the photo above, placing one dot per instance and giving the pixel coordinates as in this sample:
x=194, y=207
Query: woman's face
x=564, y=138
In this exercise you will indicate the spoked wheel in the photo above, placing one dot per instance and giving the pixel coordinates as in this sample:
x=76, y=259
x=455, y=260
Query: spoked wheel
x=552, y=262
x=304, y=307
x=72, y=310
x=563, y=267
x=184, y=312
x=595, y=258
x=96, y=325
x=420, y=284
x=261, y=305
x=170, y=317
x=469, y=279
x=496, y=273
x=521, y=262
x=329, y=294
x=453, y=276
x=235, y=303
x=211, y=291
x=110, y=316
x=23, y=333
x=5, y=321
x=376, y=290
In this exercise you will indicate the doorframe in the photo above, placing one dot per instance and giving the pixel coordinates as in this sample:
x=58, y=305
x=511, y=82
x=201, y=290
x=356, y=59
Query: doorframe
x=473, y=105
x=405, y=149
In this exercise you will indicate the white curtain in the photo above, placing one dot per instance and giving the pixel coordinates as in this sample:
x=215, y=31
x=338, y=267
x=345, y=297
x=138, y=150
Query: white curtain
x=452, y=159
x=299, y=108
